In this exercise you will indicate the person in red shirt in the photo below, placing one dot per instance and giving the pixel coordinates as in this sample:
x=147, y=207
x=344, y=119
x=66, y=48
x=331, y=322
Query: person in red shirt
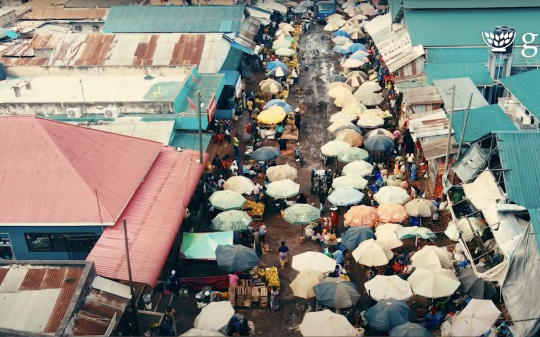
x=219, y=138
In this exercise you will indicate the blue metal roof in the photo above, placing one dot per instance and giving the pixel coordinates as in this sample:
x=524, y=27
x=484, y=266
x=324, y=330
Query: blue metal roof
x=535, y=221
x=475, y=70
x=481, y=122
x=231, y=77
x=233, y=60
x=458, y=55
x=174, y=19
x=524, y=87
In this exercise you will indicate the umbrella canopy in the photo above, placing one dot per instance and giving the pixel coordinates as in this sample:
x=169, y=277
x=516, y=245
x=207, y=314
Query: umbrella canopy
x=227, y=200
x=356, y=34
x=474, y=286
x=357, y=47
x=340, y=126
x=278, y=72
x=360, y=55
x=410, y=330
x=355, y=108
x=476, y=319
x=201, y=332
x=392, y=213
x=430, y=257
x=306, y=3
x=282, y=32
x=340, y=39
x=239, y=184
x=333, y=148
x=341, y=32
x=367, y=88
x=415, y=233
x=278, y=102
x=354, y=236
x=336, y=78
x=351, y=180
x=388, y=227
x=358, y=167
x=420, y=208
x=469, y=229
x=372, y=253
x=214, y=316
x=285, y=52
x=370, y=122
x=358, y=73
x=379, y=143
x=281, y=172
x=271, y=86
x=266, y=153
x=300, y=9
x=339, y=85
x=387, y=314
x=283, y=189
x=372, y=99
x=274, y=115
x=377, y=113
x=287, y=26
x=389, y=238
x=302, y=214
x=353, y=63
x=352, y=154
x=336, y=92
x=236, y=221
x=343, y=101
x=359, y=17
x=332, y=26
x=236, y=258
x=302, y=285
x=349, y=136
x=361, y=216
x=326, y=323
x=275, y=64
x=336, y=293
x=315, y=261
x=345, y=196
x=434, y=283
x=377, y=132
x=353, y=11
x=369, y=11
x=334, y=16
x=391, y=195
x=354, y=82
x=343, y=117
x=281, y=43
x=337, y=125
x=388, y=287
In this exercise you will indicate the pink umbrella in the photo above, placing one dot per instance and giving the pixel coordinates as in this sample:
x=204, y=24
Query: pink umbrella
x=361, y=216
x=392, y=213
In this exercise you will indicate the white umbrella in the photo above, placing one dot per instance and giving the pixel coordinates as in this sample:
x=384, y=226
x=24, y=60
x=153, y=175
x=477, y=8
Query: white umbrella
x=430, y=256
x=343, y=101
x=391, y=195
x=434, y=283
x=476, y=319
x=353, y=63
x=202, y=332
x=372, y=99
x=339, y=85
x=282, y=32
x=326, y=323
x=286, y=26
x=283, y=189
x=315, y=261
x=344, y=196
x=239, y=184
x=354, y=81
x=353, y=11
x=285, y=52
x=420, y=207
x=214, y=316
x=463, y=226
x=333, y=148
x=342, y=117
x=388, y=287
x=366, y=89
x=370, y=122
x=393, y=227
x=340, y=91
x=271, y=87
x=348, y=4
x=359, y=167
x=333, y=16
x=358, y=17
x=281, y=43
x=281, y=172
x=389, y=238
x=355, y=108
x=351, y=180
x=372, y=253
x=331, y=27
x=341, y=40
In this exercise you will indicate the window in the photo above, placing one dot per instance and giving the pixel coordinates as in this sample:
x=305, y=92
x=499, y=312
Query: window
x=6, y=251
x=78, y=28
x=41, y=242
x=95, y=28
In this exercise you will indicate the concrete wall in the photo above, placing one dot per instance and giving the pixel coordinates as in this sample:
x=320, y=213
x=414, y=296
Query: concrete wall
x=27, y=71
x=90, y=108
x=8, y=18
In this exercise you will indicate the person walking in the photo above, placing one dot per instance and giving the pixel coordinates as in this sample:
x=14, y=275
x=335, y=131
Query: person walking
x=256, y=192
x=283, y=251
x=228, y=135
x=250, y=107
x=236, y=148
x=274, y=301
x=322, y=198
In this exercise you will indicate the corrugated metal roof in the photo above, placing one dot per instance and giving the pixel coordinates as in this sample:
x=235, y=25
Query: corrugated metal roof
x=174, y=19
x=157, y=131
x=67, y=14
x=233, y=60
x=455, y=4
x=248, y=31
x=519, y=158
x=412, y=83
x=100, y=3
x=464, y=88
x=155, y=211
x=52, y=170
x=476, y=71
x=437, y=148
x=435, y=124
x=524, y=88
x=458, y=55
x=481, y=122
x=422, y=96
x=463, y=27
x=534, y=213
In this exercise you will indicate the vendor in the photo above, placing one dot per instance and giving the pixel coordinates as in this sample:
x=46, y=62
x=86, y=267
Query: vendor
x=282, y=144
x=279, y=130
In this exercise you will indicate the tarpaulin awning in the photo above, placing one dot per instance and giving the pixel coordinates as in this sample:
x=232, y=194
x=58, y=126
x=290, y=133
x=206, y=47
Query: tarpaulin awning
x=154, y=215
x=467, y=166
x=203, y=245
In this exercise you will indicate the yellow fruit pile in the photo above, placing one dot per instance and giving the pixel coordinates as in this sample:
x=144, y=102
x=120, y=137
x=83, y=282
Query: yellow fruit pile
x=284, y=94
x=250, y=204
x=257, y=209
x=272, y=278
x=261, y=273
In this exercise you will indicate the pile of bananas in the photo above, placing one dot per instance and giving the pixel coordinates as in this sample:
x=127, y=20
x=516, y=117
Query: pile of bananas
x=272, y=277
x=283, y=94
x=250, y=204
x=261, y=273
x=257, y=208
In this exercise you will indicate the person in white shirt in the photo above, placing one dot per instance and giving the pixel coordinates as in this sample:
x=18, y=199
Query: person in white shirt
x=220, y=182
x=234, y=168
x=256, y=192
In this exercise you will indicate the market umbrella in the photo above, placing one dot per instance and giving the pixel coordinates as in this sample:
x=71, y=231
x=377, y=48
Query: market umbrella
x=410, y=330
x=271, y=86
x=372, y=99
x=358, y=73
x=236, y=258
x=334, y=16
x=345, y=196
x=201, y=332
x=274, y=115
x=355, y=108
x=343, y=101
x=387, y=314
x=306, y=3
x=283, y=189
x=369, y=11
x=342, y=49
x=315, y=261
x=358, y=167
x=343, y=117
x=239, y=184
x=351, y=180
x=378, y=132
x=278, y=72
x=377, y=113
x=278, y=102
x=281, y=43
x=372, y=253
x=336, y=78
x=356, y=34
x=281, y=172
x=360, y=55
x=432, y=256
x=330, y=27
x=352, y=154
x=354, y=82
x=370, y=122
x=392, y=213
x=237, y=221
x=356, y=47
x=390, y=227
x=353, y=11
x=302, y=214
x=391, y=195
x=367, y=88
x=336, y=293
x=469, y=229
x=282, y=32
x=336, y=92
x=266, y=153
x=379, y=143
x=302, y=285
x=433, y=283
x=285, y=52
x=415, y=233
x=341, y=33
x=361, y=216
x=275, y=64
x=358, y=17
x=354, y=236
x=349, y=136
x=388, y=287
x=353, y=63
x=340, y=39
x=389, y=238
x=339, y=85
x=227, y=200
x=348, y=4
x=214, y=316
x=420, y=208
x=333, y=148
x=326, y=323
x=287, y=26
x=299, y=9
x=476, y=319
x=473, y=285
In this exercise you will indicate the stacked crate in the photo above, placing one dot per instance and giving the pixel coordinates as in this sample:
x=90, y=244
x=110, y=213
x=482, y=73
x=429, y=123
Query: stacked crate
x=232, y=296
x=260, y=296
x=247, y=297
x=240, y=294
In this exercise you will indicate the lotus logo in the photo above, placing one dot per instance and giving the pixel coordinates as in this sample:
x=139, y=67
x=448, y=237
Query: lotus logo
x=499, y=42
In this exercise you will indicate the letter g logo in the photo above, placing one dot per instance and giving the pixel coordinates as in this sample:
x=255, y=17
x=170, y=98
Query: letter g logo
x=529, y=38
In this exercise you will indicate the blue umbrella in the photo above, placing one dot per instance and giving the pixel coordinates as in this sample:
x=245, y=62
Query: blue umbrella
x=236, y=257
x=273, y=71
x=278, y=102
x=275, y=64
x=357, y=56
x=388, y=314
x=342, y=50
x=344, y=127
x=336, y=293
x=379, y=143
x=337, y=78
x=341, y=33
x=353, y=48
x=409, y=330
x=354, y=236
x=266, y=153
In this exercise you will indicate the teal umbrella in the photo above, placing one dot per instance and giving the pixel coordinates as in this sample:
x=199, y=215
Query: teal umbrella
x=410, y=329
x=415, y=233
x=336, y=293
x=226, y=200
x=236, y=258
x=352, y=154
x=236, y=221
x=354, y=236
x=302, y=214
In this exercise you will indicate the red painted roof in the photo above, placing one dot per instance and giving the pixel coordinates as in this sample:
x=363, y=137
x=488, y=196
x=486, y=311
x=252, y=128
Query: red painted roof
x=153, y=216
x=50, y=171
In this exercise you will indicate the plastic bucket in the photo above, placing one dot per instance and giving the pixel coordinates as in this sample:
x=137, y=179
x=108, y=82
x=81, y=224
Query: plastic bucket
x=147, y=298
x=360, y=332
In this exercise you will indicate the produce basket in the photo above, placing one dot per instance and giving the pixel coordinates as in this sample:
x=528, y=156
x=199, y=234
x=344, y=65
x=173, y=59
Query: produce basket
x=272, y=278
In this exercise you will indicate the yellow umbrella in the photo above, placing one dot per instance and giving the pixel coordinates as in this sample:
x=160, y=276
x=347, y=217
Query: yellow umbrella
x=331, y=27
x=339, y=85
x=343, y=101
x=273, y=115
x=353, y=138
x=355, y=108
x=302, y=285
x=337, y=92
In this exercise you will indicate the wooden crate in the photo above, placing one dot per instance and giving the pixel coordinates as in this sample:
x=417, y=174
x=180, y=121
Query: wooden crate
x=240, y=295
x=245, y=283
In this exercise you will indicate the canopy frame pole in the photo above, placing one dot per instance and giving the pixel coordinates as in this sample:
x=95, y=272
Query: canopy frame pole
x=450, y=129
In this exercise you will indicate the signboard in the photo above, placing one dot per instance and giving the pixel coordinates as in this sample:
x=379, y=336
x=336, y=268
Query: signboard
x=211, y=109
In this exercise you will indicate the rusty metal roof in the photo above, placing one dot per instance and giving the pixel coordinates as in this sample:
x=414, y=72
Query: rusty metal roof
x=437, y=148
x=422, y=95
x=67, y=14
